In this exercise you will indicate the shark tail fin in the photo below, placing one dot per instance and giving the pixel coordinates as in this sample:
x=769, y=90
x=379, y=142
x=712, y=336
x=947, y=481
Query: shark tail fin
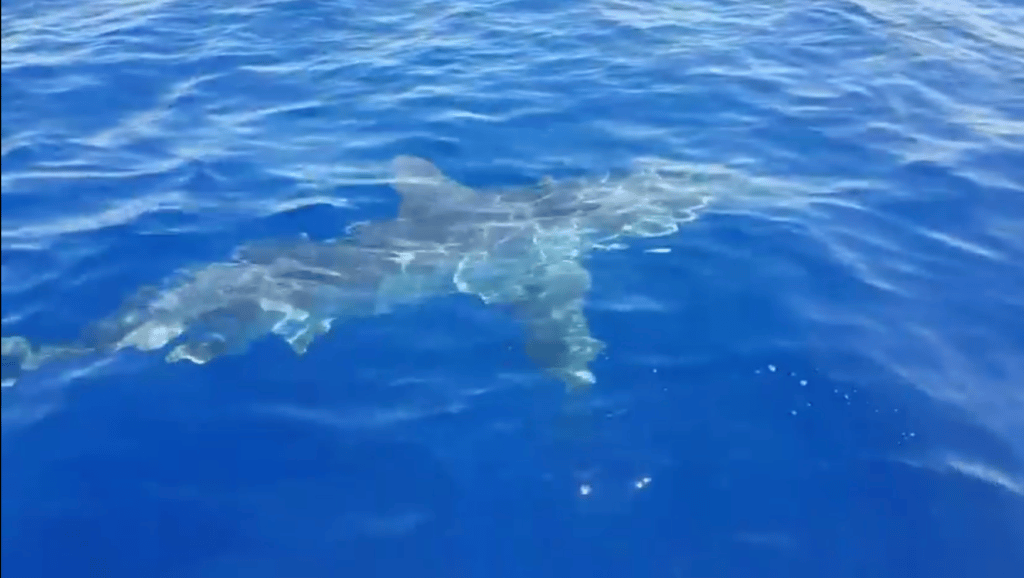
x=20, y=356
x=16, y=350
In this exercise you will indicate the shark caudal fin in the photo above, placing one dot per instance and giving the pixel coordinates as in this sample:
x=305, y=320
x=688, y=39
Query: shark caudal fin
x=20, y=356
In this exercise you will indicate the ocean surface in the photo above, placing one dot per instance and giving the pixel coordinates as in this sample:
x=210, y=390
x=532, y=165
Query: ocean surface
x=821, y=375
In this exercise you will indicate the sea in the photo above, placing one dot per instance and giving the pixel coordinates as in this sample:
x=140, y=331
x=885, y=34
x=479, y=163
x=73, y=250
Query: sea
x=818, y=375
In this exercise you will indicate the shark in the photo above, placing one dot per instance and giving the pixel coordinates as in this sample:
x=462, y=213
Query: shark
x=523, y=249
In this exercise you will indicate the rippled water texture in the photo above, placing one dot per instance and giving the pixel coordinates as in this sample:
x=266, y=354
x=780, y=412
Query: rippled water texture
x=857, y=276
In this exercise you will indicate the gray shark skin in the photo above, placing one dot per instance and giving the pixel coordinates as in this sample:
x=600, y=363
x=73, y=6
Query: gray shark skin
x=522, y=249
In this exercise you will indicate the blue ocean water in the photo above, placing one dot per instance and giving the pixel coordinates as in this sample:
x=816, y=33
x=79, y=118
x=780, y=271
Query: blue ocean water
x=820, y=376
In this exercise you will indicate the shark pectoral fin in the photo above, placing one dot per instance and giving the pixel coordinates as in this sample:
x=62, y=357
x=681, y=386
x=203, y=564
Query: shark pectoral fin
x=424, y=188
x=558, y=335
x=564, y=347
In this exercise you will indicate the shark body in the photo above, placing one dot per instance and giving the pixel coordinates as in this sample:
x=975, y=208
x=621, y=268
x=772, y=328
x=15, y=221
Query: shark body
x=521, y=248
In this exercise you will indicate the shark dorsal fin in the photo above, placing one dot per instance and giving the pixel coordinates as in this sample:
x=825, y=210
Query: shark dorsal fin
x=425, y=189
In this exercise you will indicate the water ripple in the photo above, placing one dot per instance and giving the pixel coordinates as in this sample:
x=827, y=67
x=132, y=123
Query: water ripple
x=873, y=152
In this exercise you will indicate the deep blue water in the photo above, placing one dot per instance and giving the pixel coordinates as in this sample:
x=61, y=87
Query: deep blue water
x=825, y=379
